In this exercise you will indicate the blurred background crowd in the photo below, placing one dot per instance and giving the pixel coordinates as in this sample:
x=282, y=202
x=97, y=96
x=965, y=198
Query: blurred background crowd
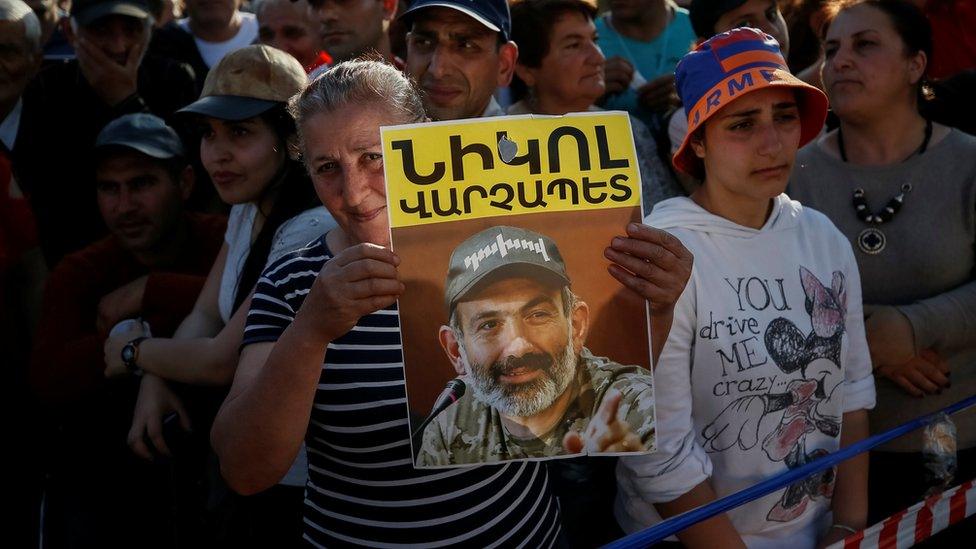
x=136, y=216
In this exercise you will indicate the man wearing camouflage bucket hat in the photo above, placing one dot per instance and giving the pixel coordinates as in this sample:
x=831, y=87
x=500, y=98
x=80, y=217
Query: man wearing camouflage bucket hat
x=516, y=337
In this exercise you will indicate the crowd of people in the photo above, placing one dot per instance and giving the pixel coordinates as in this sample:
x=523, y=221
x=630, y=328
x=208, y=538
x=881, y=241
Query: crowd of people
x=198, y=293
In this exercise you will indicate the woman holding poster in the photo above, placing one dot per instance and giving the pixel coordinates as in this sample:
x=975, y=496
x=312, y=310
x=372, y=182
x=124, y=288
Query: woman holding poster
x=322, y=355
x=766, y=366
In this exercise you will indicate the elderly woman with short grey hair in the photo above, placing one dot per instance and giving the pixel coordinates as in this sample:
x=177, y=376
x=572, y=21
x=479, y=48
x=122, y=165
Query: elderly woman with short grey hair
x=322, y=357
x=298, y=379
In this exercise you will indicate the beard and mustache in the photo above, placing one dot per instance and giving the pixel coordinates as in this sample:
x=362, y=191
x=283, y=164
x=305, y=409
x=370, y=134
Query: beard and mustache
x=529, y=398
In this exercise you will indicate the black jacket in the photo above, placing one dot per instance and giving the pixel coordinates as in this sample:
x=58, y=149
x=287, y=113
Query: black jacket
x=52, y=155
x=172, y=42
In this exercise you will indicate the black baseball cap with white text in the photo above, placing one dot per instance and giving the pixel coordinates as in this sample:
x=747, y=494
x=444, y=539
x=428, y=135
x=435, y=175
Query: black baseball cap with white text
x=498, y=252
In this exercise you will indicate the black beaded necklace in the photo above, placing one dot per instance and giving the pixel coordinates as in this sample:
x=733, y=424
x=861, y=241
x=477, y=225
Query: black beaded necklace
x=872, y=240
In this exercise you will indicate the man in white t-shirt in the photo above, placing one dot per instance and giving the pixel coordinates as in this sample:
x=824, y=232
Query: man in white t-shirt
x=219, y=28
x=211, y=30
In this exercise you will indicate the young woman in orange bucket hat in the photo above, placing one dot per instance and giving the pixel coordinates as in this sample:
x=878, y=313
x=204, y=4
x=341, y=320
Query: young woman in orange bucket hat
x=766, y=366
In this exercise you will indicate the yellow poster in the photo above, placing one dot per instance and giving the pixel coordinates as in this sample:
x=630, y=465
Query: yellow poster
x=489, y=167
x=517, y=342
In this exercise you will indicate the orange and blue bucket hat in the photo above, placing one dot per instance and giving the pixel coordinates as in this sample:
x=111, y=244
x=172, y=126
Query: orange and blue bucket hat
x=727, y=66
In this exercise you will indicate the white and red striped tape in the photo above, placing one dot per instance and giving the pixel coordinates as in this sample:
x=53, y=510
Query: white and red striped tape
x=920, y=521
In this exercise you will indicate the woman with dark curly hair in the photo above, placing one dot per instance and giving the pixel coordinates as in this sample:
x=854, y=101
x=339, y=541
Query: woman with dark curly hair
x=902, y=188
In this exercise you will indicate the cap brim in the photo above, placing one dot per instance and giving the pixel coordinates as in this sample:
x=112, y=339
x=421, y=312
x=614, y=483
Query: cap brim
x=87, y=16
x=147, y=150
x=407, y=15
x=811, y=101
x=531, y=270
x=228, y=107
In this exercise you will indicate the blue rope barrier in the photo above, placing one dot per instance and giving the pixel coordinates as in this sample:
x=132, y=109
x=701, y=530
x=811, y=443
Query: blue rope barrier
x=673, y=525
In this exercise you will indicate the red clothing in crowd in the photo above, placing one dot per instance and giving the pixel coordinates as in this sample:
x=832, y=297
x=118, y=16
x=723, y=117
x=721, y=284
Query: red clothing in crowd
x=68, y=360
x=18, y=234
x=322, y=59
x=953, y=36
x=18, y=231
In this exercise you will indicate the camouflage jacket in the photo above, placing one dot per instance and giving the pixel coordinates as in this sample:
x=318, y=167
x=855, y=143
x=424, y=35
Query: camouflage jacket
x=471, y=432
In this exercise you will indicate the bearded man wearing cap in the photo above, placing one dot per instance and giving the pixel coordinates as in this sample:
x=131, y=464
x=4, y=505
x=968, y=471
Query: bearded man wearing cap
x=152, y=267
x=517, y=336
x=67, y=104
x=460, y=53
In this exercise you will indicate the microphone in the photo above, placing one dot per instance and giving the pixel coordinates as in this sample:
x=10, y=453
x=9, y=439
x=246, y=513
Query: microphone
x=454, y=391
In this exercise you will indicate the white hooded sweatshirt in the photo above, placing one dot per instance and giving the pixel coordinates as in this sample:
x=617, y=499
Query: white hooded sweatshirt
x=766, y=354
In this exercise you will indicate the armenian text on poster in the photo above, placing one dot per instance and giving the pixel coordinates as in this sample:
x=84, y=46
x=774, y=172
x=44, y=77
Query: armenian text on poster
x=517, y=343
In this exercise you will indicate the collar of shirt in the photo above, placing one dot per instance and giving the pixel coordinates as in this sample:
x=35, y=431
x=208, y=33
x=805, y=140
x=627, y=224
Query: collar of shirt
x=10, y=125
x=493, y=109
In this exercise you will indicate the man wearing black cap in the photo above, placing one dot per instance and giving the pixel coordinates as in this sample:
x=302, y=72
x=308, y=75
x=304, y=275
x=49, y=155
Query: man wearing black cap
x=151, y=267
x=516, y=336
x=68, y=104
x=460, y=52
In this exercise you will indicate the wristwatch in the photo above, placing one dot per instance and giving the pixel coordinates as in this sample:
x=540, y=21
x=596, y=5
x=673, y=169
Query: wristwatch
x=130, y=353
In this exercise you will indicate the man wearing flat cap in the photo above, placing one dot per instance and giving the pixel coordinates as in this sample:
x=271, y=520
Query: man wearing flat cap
x=516, y=337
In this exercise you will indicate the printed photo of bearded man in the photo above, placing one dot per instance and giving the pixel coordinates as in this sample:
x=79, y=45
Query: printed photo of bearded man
x=516, y=338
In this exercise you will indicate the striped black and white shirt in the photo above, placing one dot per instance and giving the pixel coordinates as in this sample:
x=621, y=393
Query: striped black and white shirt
x=362, y=488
